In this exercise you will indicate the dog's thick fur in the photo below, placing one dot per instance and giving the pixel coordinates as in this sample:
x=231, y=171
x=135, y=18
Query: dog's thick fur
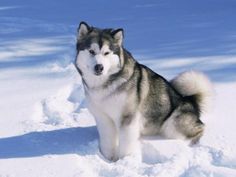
x=128, y=99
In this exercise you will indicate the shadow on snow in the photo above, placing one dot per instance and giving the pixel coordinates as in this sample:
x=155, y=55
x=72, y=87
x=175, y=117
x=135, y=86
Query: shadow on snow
x=63, y=141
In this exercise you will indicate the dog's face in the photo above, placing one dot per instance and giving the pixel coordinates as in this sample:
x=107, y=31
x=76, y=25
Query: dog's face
x=98, y=51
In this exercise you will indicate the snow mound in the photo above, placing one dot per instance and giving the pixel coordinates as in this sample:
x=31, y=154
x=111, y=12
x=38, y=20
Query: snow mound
x=66, y=108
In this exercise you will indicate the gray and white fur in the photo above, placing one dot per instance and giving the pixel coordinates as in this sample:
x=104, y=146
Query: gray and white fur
x=129, y=100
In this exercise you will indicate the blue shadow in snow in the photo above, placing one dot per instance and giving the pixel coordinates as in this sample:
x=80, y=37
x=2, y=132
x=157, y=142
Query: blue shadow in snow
x=63, y=141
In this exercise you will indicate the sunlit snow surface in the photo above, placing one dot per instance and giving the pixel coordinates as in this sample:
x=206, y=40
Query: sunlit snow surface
x=45, y=127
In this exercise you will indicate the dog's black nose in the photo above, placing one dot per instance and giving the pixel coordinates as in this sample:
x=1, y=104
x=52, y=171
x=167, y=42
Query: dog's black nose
x=98, y=69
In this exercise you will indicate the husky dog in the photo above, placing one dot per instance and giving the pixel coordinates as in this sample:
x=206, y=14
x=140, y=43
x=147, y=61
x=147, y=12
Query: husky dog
x=129, y=100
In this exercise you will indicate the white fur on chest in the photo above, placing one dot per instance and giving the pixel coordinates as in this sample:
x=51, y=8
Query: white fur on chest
x=103, y=102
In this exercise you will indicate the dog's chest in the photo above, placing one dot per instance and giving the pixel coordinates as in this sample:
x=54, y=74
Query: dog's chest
x=110, y=105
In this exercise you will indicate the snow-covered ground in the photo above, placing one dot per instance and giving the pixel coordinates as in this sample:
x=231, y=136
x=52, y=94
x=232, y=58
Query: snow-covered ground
x=46, y=130
x=45, y=127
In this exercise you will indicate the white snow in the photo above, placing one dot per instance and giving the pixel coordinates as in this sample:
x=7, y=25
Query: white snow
x=46, y=130
x=11, y=50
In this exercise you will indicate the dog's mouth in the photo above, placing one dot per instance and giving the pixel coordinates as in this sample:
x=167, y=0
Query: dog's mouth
x=97, y=73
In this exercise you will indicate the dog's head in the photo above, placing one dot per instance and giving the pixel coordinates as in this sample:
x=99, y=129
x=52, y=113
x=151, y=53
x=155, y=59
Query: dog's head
x=98, y=51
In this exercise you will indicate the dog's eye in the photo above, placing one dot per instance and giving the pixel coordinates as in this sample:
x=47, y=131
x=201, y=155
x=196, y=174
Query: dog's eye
x=92, y=52
x=106, y=53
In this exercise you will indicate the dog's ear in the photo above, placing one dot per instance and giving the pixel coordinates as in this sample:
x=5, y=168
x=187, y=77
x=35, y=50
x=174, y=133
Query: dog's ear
x=118, y=35
x=83, y=30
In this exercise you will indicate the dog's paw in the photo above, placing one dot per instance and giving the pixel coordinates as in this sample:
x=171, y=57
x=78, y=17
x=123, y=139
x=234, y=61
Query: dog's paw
x=109, y=154
x=113, y=158
x=109, y=157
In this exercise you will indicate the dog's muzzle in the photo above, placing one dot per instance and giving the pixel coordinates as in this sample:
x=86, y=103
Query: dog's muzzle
x=98, y=69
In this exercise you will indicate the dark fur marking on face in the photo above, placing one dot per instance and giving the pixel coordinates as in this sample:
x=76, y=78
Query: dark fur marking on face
x=99, y=36
x=126, y=72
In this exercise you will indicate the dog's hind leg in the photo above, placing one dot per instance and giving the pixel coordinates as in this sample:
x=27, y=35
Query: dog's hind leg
x=190, y=126
x=183, y=126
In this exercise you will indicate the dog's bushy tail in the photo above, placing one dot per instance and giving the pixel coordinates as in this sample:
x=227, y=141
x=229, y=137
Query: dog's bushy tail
x=195, y=84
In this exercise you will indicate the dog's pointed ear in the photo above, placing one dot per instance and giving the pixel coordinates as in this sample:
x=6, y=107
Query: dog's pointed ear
x=83, y=30
x=118, y=35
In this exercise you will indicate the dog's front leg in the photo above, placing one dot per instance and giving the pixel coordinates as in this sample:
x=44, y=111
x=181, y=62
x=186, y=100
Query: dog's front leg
x=129, y=134
x=108, y=139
